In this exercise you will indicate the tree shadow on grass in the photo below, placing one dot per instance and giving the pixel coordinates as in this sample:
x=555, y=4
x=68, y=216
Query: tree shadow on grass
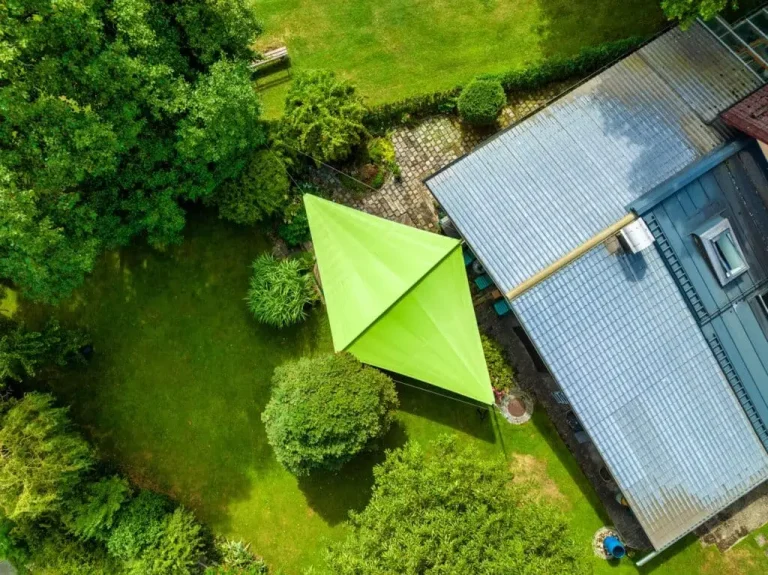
x=449, y=410
x=334, y=495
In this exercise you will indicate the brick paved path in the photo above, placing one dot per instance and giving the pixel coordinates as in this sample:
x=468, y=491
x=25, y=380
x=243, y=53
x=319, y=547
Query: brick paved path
x=424, y=149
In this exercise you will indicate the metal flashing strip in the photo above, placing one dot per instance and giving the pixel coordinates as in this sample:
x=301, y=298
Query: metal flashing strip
x=674, y=184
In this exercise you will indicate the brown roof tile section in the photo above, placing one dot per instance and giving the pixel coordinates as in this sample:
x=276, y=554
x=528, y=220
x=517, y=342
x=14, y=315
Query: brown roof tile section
x=750, y=115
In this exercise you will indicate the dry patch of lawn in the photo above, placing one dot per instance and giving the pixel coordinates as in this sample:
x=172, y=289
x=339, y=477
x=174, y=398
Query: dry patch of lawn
x=530, y=471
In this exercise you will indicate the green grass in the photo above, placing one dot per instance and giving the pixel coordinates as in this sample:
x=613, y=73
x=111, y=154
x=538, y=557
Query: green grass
x=174, y=392
x=392, y=49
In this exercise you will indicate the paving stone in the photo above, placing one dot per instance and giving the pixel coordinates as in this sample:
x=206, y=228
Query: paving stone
x=421, y=150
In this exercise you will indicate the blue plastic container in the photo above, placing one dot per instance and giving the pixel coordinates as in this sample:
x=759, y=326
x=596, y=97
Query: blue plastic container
x=614, y=548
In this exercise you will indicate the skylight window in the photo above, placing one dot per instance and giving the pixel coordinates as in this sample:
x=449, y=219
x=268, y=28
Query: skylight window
x=723, y=250
x=729, y=254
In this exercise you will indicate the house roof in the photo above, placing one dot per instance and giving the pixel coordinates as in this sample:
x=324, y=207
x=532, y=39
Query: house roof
x=590, y=153
x=670, y=397
x=732, y=322
x=619, y=339
x=750, y=115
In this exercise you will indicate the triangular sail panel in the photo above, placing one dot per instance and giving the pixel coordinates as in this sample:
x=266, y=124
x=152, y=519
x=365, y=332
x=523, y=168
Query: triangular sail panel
x=398, y=298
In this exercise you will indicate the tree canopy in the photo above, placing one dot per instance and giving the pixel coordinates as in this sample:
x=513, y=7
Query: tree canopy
x=686, y=11
x=325, y=410
x=42, y=460
x=449, y=511
x=111, y=111
x=23, y=352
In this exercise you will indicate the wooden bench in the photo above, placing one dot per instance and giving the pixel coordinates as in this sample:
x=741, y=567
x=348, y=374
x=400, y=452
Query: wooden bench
x=270, y=57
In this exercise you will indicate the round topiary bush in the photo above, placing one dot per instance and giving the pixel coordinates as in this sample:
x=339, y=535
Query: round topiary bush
x=325, y=410
x=481, y=101
x=280, y=291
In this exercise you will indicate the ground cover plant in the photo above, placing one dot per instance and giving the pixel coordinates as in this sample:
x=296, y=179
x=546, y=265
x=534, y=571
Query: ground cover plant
x=181, y=374
x=398, y=49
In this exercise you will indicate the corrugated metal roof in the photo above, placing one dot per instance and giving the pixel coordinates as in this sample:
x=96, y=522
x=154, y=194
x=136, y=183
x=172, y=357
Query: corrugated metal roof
x=619, y=339
x=548, y=184
x=699, y=70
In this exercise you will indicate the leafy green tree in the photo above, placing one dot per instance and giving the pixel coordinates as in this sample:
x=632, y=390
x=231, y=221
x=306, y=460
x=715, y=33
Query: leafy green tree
x=323, y=117
x=111, y=111
x=140, y=524
x=280, y=291
x=93, y=513
x=686, y=11
x=481, y=101
x=42, y=461
x=325, y=410
x=218, y=28
x=176, y=551
x=452, y=512
x=221, y=126
x=261, y=190
x=23, y=352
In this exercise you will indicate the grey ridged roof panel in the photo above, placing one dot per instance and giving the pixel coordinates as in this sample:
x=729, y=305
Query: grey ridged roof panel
x=632, y=361
x=551, y=182
x=707, y=77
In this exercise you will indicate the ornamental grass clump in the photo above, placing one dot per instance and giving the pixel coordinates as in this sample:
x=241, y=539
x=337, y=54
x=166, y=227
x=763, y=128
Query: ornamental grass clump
x=325, y=410
x=280, y=291
x=481, y=101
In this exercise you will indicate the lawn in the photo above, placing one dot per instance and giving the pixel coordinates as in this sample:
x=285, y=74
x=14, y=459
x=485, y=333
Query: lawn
x=392, y=49
x=174, y=392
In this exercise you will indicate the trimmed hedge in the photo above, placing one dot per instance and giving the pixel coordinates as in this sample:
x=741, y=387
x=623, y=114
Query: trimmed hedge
x=481, y=101
x=385, y=116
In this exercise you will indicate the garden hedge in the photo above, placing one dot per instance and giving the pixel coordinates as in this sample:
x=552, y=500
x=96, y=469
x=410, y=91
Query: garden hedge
x=589, y=60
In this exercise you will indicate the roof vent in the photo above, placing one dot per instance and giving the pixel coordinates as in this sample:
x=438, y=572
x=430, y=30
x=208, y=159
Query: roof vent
x=636, y=237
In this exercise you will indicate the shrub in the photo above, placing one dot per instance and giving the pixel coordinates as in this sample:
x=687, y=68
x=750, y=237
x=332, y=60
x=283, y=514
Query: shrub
x=295, y=227
x=260, y=192
x=323, y=411
x=236, y=558
x=381, y=151
x=178, y=548
x=323, y=117
x=501, y=373
x=92, y=515
x=481, y=101
x=454, y=512
x=139, y=525
x=280, y=291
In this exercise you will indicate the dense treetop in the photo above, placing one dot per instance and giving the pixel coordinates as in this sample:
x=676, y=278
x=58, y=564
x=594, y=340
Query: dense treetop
x=110, y=112
x=449, y=511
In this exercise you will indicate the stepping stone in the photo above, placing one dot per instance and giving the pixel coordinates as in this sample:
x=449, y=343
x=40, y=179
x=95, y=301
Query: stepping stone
x=761, y=540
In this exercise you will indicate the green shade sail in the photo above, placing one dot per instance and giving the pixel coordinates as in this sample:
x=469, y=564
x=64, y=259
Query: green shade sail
x=398, y=298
